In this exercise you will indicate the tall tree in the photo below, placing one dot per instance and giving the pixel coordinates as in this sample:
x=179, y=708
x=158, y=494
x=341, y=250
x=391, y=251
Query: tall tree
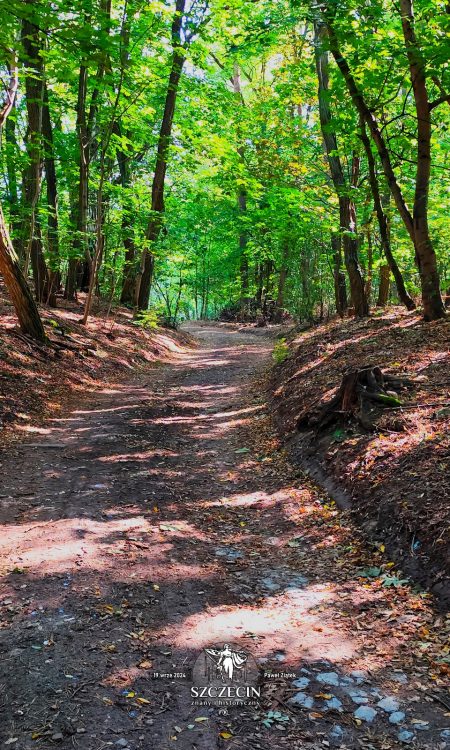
x=416, y=223
x=34, y=93
x=157, y=205
x=24, y=304
x=347, y=208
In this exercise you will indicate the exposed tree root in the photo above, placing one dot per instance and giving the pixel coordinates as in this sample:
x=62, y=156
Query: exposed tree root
x=359, y=390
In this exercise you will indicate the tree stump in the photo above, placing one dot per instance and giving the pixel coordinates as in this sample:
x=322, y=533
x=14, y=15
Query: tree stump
x=359, y=390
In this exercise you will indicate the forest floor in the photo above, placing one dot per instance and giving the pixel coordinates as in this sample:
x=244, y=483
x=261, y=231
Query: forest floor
x=396, y=476
x=38, y=381
x=161, y=516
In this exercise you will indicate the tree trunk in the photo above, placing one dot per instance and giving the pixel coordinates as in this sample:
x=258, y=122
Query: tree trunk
x=11, y=152
x=243, y=239
x=52, y=201
x=157, y=208
x=385, y=283
x=16, y=284
x=426, y=258
x=127, y=296
x=368, y=284
x=347, y=209
x=34, y=91
x=80, y=242
x=282, y=278
x=38, y=265
x=70, y=291
x=18, y=289
x=383, y=225
x=340, y=287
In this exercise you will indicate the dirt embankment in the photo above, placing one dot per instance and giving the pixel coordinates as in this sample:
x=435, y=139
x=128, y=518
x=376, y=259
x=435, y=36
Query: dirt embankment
x=39, y=381
x=395, y=475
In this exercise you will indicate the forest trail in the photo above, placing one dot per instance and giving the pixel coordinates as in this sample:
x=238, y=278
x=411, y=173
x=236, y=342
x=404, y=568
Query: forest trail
x=160, y=518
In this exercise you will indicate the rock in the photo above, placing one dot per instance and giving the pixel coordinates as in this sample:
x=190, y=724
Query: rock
x=445, y=734
x=359, y=676
x=405, y=736
x=400, y=677
x=358, y=696
x=301, y=683
x=122, y=742
x=57, y=737
x=334, y=704
x=419, y=724
x=328, y=678
x=229, y=552
x=302, y=699
x=336, y=735
x=396, y=717
x=270, y=584
x=389, y=704
x=365, y=713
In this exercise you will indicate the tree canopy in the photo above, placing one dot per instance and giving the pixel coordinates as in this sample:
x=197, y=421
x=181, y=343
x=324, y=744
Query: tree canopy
x=188, y=158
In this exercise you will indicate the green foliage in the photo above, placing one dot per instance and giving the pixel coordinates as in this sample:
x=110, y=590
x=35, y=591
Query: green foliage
x=263, y=142
x=147, y=319
x=280, y=351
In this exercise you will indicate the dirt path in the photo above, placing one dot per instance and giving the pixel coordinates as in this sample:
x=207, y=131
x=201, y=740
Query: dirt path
x=161, y=518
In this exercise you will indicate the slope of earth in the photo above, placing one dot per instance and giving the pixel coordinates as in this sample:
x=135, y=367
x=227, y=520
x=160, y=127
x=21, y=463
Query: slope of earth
x=396, y=475
x=38, y=380
x=162, y=517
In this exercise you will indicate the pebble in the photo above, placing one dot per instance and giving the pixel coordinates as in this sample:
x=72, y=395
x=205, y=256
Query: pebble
x=334, y=704
x=445, y=734
x=328, y=678
x=389, y=704
x=336, y=735
x=400, y=677
x=301, y=683
x=365, y=713
x=405, y=736
x=359, y=676
x=421, y=724
x=270, y=584
x=358, y=696
x=303, y=700
x=122, y=742
x=57, y=737
x=396, y=717
x=230, y=552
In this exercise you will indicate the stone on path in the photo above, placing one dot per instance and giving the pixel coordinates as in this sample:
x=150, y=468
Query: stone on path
x=365, y=713
x=301, y=683
x=396, y=717
x=389, y=704
x=302, y=699
x=328, y=678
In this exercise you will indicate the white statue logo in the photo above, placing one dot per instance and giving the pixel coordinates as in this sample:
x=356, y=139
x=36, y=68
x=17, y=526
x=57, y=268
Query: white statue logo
x=226, y=660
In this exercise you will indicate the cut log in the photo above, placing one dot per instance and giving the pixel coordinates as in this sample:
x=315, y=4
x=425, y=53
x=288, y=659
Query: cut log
x=359, y=389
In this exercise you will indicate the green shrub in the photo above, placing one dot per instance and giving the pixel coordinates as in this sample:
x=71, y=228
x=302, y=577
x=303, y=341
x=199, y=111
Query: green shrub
x=146, y=319
x=280, y=351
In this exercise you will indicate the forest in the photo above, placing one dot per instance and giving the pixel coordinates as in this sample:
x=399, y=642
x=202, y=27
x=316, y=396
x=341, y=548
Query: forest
x=241, y=156
x=224, y=388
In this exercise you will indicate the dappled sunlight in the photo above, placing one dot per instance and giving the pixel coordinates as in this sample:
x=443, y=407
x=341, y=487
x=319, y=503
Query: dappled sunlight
x=285, y=622
x=138, y=456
